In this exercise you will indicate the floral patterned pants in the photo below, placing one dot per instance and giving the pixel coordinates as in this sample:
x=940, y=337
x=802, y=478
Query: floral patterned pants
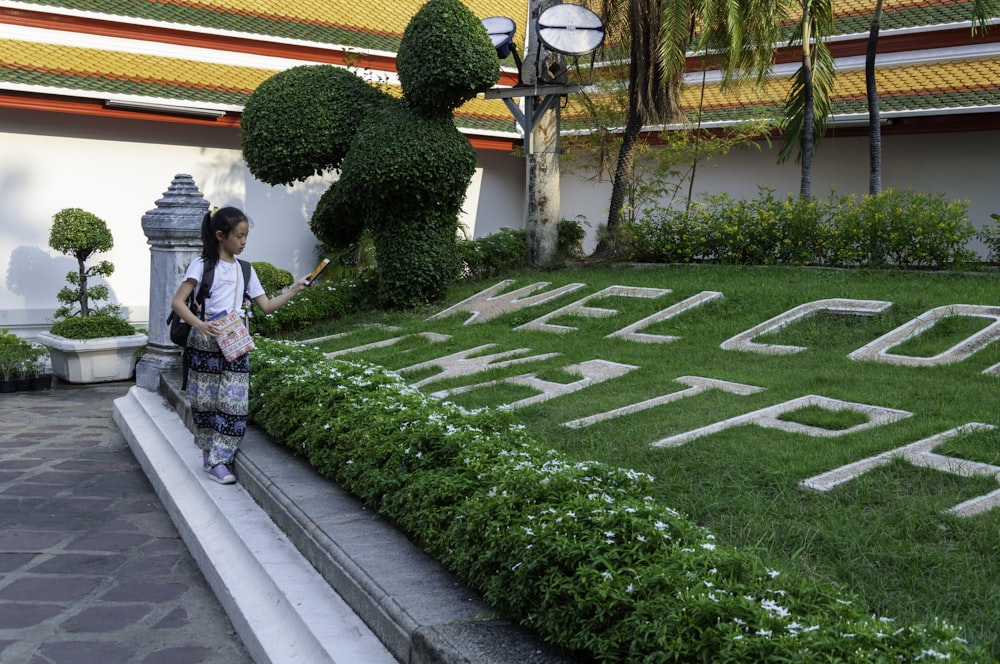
x=218, y=390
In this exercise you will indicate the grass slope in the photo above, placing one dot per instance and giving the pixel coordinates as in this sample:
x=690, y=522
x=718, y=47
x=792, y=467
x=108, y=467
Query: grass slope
x=886, y=535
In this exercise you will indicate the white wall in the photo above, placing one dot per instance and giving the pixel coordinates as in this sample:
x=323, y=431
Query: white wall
x=117, y=169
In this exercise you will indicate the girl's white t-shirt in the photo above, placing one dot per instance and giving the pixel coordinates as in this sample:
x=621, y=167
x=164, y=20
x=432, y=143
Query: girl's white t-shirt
x=228, y=278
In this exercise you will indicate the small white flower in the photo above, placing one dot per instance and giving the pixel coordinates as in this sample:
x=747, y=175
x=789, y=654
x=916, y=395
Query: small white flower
x=708, y=546
x=606, y=575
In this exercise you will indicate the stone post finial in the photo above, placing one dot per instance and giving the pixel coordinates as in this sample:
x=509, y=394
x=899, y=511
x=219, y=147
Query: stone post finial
x=173, y=232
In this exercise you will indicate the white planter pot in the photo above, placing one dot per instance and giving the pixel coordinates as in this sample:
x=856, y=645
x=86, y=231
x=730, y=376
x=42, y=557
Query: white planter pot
x=93, y=360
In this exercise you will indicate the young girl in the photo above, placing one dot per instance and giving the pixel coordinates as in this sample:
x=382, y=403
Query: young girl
x=218, y=388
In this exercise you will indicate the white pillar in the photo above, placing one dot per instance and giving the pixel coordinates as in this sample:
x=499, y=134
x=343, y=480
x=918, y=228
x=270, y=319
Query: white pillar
x=173, y=232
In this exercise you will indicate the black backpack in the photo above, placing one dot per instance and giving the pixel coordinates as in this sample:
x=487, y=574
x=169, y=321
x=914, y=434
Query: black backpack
x=179, y=329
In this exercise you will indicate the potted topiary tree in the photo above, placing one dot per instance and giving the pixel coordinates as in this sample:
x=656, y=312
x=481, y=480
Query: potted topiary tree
x=88, y=343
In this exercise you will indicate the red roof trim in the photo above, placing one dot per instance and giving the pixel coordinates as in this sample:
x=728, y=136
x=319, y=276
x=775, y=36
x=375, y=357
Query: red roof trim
x=183, y=37
x=97, y=107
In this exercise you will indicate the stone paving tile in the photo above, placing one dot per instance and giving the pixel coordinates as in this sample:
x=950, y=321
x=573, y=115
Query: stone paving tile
x=93, y=570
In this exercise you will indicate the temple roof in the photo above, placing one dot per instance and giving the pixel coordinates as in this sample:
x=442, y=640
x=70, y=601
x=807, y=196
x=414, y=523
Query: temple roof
x=207, y=56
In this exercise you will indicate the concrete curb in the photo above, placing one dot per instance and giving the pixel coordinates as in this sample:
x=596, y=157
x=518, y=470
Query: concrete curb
x=422, y=613
x=282, y=609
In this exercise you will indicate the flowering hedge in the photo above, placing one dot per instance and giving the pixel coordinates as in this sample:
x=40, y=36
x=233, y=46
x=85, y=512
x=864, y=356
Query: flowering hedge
x=575, y=550
x=902, y=228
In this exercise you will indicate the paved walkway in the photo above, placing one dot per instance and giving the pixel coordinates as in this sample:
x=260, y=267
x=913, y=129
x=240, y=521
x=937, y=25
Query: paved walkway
x=115, y=548
x=93, y=570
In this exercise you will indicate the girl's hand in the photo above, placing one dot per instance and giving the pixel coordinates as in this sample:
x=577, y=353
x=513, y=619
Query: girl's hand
x=209, y=329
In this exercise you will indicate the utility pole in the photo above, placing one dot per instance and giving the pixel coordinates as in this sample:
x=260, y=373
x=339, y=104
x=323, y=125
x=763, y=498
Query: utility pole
x=541, y=222
x=554, y=31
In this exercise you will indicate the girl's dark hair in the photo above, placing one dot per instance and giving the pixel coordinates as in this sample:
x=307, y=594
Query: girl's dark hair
x=225, y=220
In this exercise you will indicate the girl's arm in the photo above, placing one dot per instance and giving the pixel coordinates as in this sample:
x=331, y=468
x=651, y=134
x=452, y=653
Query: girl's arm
x=269, y=306
x=180, y=307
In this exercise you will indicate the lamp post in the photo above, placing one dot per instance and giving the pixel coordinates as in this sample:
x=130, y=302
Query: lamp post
x=555, y=30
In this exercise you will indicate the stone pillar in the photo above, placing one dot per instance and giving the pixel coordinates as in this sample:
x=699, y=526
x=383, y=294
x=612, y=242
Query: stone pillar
x=173, y=232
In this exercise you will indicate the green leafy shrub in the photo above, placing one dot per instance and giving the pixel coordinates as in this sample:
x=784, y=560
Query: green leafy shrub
x=901, y=228
x=574, y=550
x=493, y=254
x=327, y=299
x=92, y=327
x=570, y=239
x=300, y=122
x=19, y=358
x=272, y=279
x=82, y=234
x=990, y=236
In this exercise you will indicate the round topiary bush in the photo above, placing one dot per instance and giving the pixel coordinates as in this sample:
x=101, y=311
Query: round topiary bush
x=445, y=58
x=300, y=122
x=82, y=234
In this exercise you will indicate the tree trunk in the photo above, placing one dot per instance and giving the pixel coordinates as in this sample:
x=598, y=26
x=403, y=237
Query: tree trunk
x=874, y=118
x=84, y=308
x=652, y=98
x=622, y=179
x=541, y=223
x=809, y=113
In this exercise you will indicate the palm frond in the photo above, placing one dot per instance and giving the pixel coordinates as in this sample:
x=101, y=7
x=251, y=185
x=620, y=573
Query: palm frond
x=983, y=11
x=742, y=33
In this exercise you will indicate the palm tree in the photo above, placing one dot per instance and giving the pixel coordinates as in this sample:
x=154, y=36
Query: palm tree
x=739, y=34
x=807, y=109
x=871, y=93
x=982, y=11
x=653, y=96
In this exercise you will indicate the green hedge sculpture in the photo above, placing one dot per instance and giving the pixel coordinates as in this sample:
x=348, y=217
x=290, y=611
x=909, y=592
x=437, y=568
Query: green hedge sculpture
x=404, y=166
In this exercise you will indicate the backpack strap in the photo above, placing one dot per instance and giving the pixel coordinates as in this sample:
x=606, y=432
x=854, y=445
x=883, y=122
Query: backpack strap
x=246, y=278
x=204, y=290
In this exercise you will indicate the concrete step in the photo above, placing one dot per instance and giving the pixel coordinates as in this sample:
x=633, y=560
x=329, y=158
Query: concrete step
x=420, y=612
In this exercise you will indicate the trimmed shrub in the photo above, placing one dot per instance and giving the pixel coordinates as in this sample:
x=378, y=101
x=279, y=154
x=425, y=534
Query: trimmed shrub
x=94, y=326
x=894, y=228
x=327, y=299
x=300, y=122
x=445, y=58
x=493, y=254
x=273, y=279
x=574, y=550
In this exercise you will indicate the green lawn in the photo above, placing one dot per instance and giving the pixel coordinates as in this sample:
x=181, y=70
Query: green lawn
x=886, y=534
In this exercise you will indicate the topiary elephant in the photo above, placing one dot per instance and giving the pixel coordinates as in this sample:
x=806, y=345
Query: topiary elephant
x=404, y=166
